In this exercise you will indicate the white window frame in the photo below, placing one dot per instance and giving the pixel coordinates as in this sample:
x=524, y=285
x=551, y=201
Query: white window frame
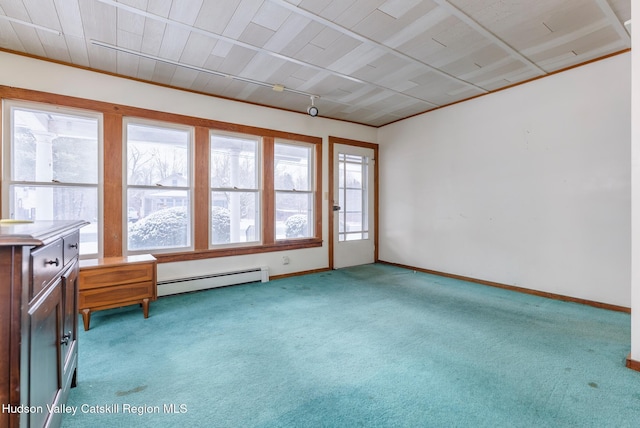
x=363, y=232
x=126, y=121
x=311, y=177
x=259, y=189
x=8, y=107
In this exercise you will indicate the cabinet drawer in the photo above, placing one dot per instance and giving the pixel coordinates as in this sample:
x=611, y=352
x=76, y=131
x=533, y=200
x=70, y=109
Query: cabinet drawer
x=116, y=275
x=46, y=263
x=70, y=246
x=115, y=296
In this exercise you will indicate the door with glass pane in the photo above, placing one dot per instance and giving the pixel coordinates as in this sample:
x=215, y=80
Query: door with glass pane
x=353, y=205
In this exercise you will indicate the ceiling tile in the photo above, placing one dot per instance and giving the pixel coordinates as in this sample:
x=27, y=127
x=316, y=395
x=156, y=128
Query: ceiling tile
x=256, y=35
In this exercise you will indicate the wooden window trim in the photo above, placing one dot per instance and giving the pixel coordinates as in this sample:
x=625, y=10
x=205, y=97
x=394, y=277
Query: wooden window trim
x=268, y=201
x=202, y=194
x=113, y=119
x=113, y=223
x=239, y=251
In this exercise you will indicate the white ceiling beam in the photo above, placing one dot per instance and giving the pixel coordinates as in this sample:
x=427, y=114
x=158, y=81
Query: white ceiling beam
x=31, y=25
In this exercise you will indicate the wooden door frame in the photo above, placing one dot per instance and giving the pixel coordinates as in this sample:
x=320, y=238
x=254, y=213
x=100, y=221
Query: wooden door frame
x=374, y=147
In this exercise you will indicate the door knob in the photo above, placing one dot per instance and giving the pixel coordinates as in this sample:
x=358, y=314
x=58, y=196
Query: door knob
x=65, y=339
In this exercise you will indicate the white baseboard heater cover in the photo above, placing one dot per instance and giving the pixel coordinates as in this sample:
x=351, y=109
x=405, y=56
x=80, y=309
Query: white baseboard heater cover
x=214, y=280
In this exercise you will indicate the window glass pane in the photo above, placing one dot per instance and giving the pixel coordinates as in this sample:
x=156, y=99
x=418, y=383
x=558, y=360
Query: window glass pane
x=52, y=146
x=233, y=162
x=354, y=236
x=294, y=216
x=158, y=219
x=353, y=221
x=353, y=214
x=158, y=207
x=292, y=167
x=235, y=217
x=354, y=176
x=353, y=200
x=235, y=196
x=57, y=154
x=59, y=203
x=157, y=156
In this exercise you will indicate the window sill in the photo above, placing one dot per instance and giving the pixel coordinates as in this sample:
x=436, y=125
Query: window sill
x=297, y=244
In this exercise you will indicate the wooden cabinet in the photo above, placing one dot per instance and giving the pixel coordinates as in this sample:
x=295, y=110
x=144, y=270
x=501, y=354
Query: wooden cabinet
x=112, y=282
x=38, y=320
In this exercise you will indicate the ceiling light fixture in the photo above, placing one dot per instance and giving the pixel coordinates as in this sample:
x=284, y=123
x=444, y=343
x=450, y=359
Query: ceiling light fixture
x=312, y=109
x=276, y=87
x=29, y=24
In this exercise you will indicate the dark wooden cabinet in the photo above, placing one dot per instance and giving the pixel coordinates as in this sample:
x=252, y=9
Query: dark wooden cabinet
x=38, y=320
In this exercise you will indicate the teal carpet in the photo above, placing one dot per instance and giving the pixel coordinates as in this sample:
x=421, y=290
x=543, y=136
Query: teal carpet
x=371, y=346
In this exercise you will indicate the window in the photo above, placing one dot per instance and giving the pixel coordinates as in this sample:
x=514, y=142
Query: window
x=235, y=189
x=294, y=190
x=255, y=190
x=53, y=167
x=353, y=197
x=158, y=207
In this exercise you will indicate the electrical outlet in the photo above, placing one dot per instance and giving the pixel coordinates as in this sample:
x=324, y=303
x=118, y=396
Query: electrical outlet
x=285, y=260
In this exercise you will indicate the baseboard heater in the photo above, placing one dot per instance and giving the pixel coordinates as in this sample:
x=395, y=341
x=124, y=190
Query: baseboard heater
x=214, y=280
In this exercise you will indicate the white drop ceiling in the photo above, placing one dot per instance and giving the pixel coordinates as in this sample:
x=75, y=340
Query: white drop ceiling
x=367, y=61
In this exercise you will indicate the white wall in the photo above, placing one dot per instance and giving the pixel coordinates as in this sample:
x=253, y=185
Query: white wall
x=529, y=186
x=24, y=72
x=635, y=183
